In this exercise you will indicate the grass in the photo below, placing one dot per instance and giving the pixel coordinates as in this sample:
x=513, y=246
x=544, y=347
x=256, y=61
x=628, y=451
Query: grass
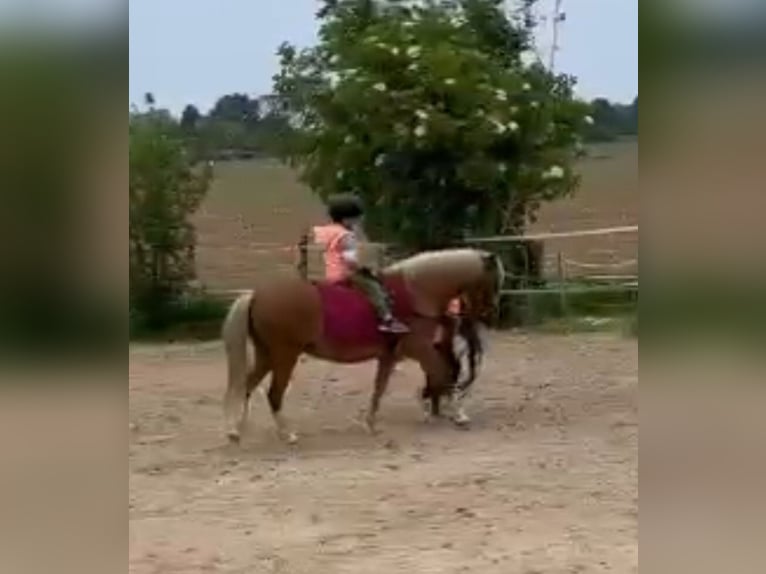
x=197, y=317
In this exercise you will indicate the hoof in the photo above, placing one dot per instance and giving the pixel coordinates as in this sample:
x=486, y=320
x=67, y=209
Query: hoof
x=290, y=438
x=462, y=420
x=371, y=426
x=233, y=437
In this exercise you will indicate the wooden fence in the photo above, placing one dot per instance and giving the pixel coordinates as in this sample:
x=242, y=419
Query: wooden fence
x=562, y=275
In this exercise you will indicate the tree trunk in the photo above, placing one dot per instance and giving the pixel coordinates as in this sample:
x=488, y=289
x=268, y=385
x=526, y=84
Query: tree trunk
x=523, y=262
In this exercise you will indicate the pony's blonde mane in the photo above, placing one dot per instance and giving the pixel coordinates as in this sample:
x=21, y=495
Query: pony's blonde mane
x=463, y=261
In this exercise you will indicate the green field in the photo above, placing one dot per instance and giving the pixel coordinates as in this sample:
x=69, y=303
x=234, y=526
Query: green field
x=257, y=208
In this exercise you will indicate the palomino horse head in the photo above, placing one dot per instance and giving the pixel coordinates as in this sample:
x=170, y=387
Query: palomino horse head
x=437, y=277
x=481, y=296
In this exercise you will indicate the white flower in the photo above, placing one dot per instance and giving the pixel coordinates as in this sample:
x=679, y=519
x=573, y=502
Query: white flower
x=528, y=58
x=421, y=131
x=527, y=87
x=335, y=60
x=501, y=96
x=340, y=174
x=412, y=67
x=502, y=167
x=422, y=114
x=380, y=87
x=349, y=139
x=380, y=160
x=589, y=120
x=513, y=126
x=450, y=81
x=534, y=105
x=499, y=127
x=395, y=51
x=555, y=172
x=414, y=51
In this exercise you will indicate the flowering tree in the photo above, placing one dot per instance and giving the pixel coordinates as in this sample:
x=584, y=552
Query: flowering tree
x=434, y=114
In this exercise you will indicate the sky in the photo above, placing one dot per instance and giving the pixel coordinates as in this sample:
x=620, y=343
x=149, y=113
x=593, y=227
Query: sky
x=194, y=51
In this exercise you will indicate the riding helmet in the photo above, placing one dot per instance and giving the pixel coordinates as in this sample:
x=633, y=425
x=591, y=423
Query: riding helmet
x=344, y=206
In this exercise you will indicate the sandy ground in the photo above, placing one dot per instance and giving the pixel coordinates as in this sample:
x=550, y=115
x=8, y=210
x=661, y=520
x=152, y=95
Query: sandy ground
x=545, y=480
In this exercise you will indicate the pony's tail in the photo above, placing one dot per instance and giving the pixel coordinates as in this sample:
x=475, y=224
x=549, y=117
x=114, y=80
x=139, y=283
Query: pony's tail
x=235, y=332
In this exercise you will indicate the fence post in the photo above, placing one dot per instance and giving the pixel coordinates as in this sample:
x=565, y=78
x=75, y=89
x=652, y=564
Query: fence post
x=303, y=255
x=562, y=277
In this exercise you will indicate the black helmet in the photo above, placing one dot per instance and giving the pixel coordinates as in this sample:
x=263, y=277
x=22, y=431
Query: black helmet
x=345, y=206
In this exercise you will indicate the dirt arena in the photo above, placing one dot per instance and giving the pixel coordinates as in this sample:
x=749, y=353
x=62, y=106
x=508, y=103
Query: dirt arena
x=544, y=482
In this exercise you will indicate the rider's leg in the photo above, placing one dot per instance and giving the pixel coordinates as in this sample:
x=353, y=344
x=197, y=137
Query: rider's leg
x=377, y=295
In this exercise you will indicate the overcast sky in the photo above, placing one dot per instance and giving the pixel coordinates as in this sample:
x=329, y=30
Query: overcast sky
x=193, y=51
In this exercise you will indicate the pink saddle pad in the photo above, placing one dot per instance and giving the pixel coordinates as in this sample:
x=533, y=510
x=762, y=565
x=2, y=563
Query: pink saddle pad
x=349, y=317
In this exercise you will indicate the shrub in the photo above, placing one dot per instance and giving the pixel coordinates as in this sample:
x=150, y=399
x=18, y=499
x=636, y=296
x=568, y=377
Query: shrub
x=165, y=190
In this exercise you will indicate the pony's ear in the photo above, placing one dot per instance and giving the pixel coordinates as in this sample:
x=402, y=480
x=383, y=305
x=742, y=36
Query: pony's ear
x=488, y=260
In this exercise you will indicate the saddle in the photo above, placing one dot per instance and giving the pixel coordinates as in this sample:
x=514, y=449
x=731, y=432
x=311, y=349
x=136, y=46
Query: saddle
x=349, y=317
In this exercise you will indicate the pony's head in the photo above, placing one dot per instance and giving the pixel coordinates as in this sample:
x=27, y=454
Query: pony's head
x=481, y=296
x=475, y=275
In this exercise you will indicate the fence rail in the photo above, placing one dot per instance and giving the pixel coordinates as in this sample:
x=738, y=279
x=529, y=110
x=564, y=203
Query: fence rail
x=556, y=267
x=574, y=289
x=568, y=277
x=554, y=235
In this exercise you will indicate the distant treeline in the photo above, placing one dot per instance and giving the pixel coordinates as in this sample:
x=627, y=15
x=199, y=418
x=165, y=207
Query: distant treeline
x=239, y=126
x=612, y=121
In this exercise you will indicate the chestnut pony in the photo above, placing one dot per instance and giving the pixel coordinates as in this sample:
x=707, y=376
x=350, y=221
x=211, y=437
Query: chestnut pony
x=287, y=317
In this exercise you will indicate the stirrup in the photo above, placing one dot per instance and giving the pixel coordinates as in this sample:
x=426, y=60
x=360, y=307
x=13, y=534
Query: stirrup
x=395, y=327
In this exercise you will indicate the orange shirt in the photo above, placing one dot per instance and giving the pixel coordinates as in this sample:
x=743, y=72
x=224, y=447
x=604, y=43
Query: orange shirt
x=454, y=306
x=452, y=309
x=331, y=238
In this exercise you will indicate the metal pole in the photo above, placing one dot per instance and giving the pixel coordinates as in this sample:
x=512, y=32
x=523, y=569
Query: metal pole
x=303, y=255
x=555, y=46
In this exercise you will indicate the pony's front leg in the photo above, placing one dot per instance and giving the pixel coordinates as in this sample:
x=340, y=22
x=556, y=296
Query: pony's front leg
x=438, y=377
x=386, y=366
x=459, y=416
x=429, y=401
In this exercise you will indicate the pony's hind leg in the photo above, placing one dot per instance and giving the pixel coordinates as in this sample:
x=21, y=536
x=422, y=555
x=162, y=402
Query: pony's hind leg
x=386, y=366
x=238, y=392
x=255, y=376
x=259, y=372
x=283, y=364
